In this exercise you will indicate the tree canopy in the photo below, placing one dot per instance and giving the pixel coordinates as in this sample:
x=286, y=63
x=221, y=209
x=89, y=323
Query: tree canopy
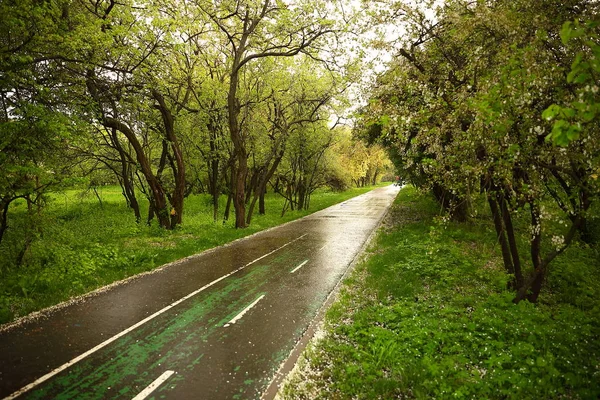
x=498, y=98
x=490, y=98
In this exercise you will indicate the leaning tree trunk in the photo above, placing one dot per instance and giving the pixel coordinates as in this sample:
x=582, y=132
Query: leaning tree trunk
x=178, y=165
x=127, y=180
x=157, y=195
x=259, y=193
x=531, y=287
x=501, y=236
x=512, y=241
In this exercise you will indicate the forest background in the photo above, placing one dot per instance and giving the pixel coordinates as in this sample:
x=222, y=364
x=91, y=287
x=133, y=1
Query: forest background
x=490, y=106
x=195, y=116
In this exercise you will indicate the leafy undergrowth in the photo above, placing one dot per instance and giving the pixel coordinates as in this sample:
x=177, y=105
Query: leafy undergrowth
x=428, y=315
x=78, y=245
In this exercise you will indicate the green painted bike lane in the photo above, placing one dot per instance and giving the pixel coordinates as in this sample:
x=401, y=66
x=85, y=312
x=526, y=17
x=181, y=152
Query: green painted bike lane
x=174, y=341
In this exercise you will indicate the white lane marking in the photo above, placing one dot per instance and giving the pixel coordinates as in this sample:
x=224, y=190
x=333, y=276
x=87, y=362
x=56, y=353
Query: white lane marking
x=299, y=266
x=322, y=247
x=244, y=311
x=277, y=249
x=137, y=325
x=154, y=385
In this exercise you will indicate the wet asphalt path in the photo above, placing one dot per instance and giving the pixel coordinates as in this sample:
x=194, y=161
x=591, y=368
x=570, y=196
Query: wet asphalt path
x=214, y=326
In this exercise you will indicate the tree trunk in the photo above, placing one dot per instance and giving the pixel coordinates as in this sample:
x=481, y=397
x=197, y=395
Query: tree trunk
x=178, y=168
x=150, y=213
x=214, y=178
x=501, y=235
x=239, y=199
x=259, y=193
x=531, y=287
x=301, y=194
x=261, y=203
x=239, y=147
x=4, y=216
x=157, y=195
x=375, y=175
x=215, y=201
x=127, y=181
x=230, y=194
x=510, y=231
x=253, y=184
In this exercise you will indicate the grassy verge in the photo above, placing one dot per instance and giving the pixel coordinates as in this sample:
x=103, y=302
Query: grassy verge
x=427, y=315
x=79, y=244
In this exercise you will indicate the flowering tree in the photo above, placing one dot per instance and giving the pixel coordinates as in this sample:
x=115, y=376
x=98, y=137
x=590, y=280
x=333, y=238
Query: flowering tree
x=463, y=105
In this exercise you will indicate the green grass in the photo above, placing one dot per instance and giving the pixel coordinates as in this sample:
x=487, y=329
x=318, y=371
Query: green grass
x=79, y=245
x=428, y=315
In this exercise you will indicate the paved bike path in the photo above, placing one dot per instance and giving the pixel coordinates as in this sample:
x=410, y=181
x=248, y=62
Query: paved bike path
x=214, y=326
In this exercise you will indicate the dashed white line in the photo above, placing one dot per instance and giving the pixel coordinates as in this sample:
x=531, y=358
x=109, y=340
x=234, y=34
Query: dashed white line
x=277, y=249
x=244, y=311
x=137, y=325
x=299, y=266
x=154, y=385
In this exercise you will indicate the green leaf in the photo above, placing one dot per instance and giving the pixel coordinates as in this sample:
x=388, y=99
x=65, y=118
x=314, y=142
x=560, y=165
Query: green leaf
x=567, y=112
x=558, y=136
x=582, y=78
x=566, y=32
x=384, y=120
x=551, y=112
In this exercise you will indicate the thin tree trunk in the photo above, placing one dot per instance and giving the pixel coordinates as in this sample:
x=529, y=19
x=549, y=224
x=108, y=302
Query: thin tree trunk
x=178, y=165
x=215, y=192
x=127, y=181
x=510, y=231
x=4, y=217
x=230, y=195
x=261, y=203
x=259, y=193
x=157, y=196
x=97, y=196
x=239, y=200
x=501, y=235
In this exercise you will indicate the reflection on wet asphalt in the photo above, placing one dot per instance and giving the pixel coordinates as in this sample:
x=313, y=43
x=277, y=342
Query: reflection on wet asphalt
x=215, y=326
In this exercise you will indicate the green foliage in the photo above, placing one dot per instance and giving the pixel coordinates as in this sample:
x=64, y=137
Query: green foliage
x=466, y=108
x=580, y=112
x=428, y=315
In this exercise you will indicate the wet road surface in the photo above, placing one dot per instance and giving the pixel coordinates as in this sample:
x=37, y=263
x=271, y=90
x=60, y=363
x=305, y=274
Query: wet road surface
x=214, y=326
